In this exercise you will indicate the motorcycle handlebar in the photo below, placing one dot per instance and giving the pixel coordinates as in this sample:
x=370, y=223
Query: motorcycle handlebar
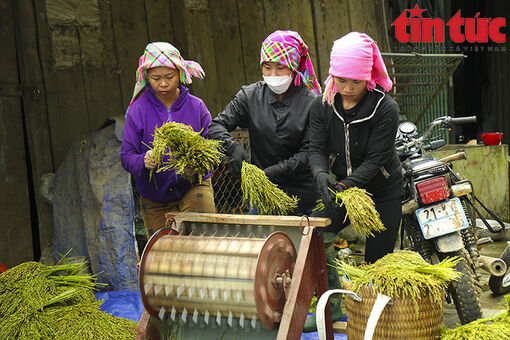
x=441, y=121
x=464, y=120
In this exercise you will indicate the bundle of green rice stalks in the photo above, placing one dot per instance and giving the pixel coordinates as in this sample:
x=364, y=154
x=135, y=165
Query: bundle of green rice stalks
x=263, y=194
x=403, y=274
x=491, y=328
x=185, y=148
x=55, y=302
x=360, y=210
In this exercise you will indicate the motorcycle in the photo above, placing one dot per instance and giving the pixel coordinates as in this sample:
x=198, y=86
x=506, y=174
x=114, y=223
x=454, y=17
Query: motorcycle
x=438, y=215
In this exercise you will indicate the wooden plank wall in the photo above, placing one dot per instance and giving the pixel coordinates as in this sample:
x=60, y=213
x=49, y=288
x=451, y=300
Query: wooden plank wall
x=77, y=59
x=223, y=36
x=15, y=224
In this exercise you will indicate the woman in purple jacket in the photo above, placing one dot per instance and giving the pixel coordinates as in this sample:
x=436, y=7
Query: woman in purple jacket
x=160, y=97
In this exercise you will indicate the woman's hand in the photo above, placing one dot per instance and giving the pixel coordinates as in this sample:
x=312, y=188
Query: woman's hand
x=190, y=172
x=147, y=160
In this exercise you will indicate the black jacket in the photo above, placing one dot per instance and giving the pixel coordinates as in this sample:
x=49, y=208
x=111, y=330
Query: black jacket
x=279, y=132
x=369, y=159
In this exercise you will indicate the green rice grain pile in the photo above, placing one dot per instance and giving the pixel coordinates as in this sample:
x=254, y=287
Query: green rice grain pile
x=491, y=328
x=263, y=194
x=404, y=274
x=55, y=302
x=185, y=148
x=360, y=209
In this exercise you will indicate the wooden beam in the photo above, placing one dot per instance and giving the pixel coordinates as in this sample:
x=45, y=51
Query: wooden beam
x=331, y=21
x=309, y=274
x=301, y=20
x=16, y=241
x=281, y=221
x=131, y=37
x=63, y=80
x=228, y=52
x=100, y=77
x=159, y=21
x=200, y=47
x=35, y=111
x=253, y=32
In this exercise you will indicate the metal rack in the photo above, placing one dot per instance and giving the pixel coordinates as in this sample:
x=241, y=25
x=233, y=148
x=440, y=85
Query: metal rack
x=418, y=81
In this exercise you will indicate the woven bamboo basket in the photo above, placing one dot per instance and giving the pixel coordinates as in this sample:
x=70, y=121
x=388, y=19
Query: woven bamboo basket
x=398, y=319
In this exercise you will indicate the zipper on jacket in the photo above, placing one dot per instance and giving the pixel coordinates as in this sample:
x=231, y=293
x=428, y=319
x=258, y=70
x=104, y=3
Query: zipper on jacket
x=347, y=150
x=346, y=131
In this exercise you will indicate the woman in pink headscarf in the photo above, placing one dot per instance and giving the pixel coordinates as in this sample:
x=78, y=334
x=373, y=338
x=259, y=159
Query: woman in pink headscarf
x=353, y=129
x=275, y=111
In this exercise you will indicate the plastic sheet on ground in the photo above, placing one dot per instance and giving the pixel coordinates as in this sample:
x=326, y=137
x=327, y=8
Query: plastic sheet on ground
x=122, y=304
x=93, y=208
x=315, y=335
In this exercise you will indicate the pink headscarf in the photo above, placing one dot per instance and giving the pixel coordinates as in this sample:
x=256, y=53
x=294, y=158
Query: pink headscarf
x=287, y=48
x=356, y=56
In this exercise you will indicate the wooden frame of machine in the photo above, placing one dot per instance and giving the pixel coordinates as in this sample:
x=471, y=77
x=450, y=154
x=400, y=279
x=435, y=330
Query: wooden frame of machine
x=219, y=276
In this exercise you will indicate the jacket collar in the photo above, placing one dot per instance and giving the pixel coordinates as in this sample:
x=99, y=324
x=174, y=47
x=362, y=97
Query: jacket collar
x=368, y=108
x=177, y=105
x=287, y=98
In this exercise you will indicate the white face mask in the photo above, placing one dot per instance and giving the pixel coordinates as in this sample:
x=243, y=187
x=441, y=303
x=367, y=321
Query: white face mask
x=278, y=84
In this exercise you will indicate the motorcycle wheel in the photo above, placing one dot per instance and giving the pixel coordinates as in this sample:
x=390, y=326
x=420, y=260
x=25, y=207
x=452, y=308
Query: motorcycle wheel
x=501, y=284
x=464, y=294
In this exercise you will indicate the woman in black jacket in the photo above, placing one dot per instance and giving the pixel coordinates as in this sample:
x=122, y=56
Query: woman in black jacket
x=353, y=129
x=276, y=113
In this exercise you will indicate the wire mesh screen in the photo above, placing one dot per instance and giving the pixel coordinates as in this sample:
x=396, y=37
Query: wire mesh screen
x=228, y=196
x=419, y=84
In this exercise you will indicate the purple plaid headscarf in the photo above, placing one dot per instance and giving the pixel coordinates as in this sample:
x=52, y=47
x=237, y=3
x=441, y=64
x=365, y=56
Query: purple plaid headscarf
x=164, y=54
x=287, y=48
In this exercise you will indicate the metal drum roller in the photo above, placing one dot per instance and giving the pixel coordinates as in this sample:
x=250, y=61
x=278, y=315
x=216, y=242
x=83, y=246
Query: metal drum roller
x=203, y=279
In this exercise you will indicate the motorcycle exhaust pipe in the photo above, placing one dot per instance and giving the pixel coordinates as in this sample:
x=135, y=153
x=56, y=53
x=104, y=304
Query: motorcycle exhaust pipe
x=493, y=265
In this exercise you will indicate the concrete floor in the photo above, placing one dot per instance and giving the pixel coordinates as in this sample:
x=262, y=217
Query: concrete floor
x=491, y=304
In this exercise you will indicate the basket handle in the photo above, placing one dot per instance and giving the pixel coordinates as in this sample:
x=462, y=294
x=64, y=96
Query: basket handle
x=321, y=306
x=380, y=303
x=377, y=309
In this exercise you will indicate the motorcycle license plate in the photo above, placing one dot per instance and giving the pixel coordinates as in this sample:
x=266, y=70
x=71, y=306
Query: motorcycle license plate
x=443, y=218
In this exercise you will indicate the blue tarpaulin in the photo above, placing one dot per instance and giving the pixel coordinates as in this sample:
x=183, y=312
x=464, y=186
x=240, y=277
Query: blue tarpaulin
x=93, y=208
x=122, y=304
x=315, y=335
x=127, y=304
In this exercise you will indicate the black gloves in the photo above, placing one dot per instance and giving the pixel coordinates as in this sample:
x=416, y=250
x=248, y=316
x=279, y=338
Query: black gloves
x=274, y=172
x=237, y=156
x=324, y=183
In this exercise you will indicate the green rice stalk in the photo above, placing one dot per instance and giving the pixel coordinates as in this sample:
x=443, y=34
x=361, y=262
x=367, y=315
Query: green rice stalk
x=61, y=297
x=185, y=148
x=261, y=193
x=491, y=328
x=37, y=302
x=404, y=274
x=360, y=210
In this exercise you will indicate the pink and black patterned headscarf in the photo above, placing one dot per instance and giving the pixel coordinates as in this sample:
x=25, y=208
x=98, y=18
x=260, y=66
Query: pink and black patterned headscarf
x=356, y=56
x=164, y=54
x=287, y=48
